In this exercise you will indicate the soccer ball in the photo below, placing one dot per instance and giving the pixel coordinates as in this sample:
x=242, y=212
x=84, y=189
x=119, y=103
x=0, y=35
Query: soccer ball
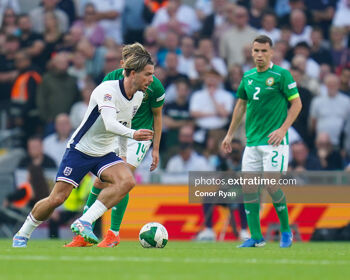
x=153, y=235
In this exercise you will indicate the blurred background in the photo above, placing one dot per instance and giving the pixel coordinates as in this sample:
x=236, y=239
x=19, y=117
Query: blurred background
x=53, y=53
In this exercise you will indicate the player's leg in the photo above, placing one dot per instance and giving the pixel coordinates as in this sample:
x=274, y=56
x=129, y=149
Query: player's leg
x=276, y=162
x=135, y=154
x=42, y=211
x=252, y=162
x=120, y=181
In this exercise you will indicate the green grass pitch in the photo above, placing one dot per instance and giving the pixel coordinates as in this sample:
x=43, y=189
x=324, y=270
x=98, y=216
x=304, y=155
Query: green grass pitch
x=178, y=260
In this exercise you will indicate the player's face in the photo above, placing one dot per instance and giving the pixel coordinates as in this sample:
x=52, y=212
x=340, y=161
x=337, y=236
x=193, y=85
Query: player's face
x=144, y=78
x=262, y=54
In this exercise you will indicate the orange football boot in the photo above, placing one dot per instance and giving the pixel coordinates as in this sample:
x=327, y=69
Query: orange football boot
x=78, y=241
x=110, y=240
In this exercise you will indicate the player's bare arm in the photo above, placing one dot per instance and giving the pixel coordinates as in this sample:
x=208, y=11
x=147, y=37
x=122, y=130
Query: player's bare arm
x=276, y=137
x=237, y=116
x=157, y=126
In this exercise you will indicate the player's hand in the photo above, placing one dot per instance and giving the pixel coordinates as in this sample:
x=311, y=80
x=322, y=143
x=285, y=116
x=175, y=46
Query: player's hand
x=226, y=144
x=155, y=160
x=143, y=135
x=276, y=137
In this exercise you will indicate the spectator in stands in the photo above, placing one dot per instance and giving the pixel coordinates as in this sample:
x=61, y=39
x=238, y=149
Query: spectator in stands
x=37, y=16
x=90, y=27
x=79, y=108
x=187, y=158
x=171, y=66
x=9, y=24
x=77, y=68
x=214, y=19
x=345, y=80
x=176, y=17
x=176, y=114
x=68, y=6
x=31, y=191
x=23, y=110
x=8, y=71
x=35, y=155
x=95, y=57
x=312, y=67
x=8, y=4
x=302, y=159
x=171, y=44
x=329, y=113
x=55, y=144
x=30, y=41
x=328, y=156
x=322, y=13
x=57, y=92
x=196, y=75
x=112, y=62
x=319, y=52
x=339, y=51
x=256, y=12
x=342, y=14
x=301, y=123
x=232, y=50
x=312, y=84
x=211, y=106
x=186, y=58
x=206, y=48
x=278, y=59
x=269, y=26
x=301, y=32
x=109, y=14
x=71, y=39
x=134, y=23
x=53, y=38
x=234, y=78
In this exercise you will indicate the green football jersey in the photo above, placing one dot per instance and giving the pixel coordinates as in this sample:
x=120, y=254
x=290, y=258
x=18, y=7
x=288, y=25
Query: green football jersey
x=267, y=94
x=152, y=98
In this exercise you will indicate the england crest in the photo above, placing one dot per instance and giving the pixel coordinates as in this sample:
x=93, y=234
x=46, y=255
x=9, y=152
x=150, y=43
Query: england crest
x=67, y=171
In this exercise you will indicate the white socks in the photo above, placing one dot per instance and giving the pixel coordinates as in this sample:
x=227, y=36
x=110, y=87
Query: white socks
x=95, y=211
x=29, y=226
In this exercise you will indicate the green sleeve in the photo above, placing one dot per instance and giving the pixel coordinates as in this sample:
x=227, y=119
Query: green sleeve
x=158, y=93
x=241, y=91
x=289, y=86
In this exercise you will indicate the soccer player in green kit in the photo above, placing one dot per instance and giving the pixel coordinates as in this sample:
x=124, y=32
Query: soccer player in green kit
x=264, y=93
x=149, y=116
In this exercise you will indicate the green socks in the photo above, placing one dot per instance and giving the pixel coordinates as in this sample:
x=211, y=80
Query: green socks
x=117, y=211
x=279, y=202
x=252, y=207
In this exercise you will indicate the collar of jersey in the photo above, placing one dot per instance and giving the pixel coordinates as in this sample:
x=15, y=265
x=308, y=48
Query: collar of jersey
x=122, y=89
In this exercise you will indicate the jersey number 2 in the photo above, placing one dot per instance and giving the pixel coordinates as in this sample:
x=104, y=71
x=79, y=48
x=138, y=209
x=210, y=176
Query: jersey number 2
x=255, y=95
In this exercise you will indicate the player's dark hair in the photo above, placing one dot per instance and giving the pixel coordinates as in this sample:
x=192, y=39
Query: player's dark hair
x=263, y=39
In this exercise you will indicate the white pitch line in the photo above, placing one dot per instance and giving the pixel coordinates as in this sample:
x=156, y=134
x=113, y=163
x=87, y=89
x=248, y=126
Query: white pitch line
x=175, y=260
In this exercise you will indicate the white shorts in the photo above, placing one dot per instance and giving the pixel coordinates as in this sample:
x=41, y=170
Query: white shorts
x=265, y=158
x=137, y=151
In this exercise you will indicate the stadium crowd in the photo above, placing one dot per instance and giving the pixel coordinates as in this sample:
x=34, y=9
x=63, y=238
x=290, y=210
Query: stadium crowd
x=54, y=54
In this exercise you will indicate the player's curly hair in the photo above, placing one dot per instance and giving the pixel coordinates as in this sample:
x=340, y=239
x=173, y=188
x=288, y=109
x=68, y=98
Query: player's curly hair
x=137, y=59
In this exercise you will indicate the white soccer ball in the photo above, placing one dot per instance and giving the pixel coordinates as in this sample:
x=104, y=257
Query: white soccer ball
x=153, y=235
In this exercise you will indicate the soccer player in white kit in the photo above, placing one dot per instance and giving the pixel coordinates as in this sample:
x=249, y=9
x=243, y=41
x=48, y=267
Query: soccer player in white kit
x=92, y=148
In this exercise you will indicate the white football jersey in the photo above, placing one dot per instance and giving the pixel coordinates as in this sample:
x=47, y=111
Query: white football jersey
x=91, y=137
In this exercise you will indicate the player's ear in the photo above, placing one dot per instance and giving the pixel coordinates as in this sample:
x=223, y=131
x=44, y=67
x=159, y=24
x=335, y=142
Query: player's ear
x=121, y=63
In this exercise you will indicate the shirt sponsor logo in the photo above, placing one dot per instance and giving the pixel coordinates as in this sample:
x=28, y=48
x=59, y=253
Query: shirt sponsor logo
x=270, y=81
x=292, y=85
x=67, y=171
x=107, y=97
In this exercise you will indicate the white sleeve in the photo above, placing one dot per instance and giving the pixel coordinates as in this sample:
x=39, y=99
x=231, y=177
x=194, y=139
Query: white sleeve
x=112, y=125
x=123, y=145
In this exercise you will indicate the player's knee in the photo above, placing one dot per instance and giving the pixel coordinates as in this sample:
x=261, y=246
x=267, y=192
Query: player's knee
x=128, y=182
x=57, y=200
